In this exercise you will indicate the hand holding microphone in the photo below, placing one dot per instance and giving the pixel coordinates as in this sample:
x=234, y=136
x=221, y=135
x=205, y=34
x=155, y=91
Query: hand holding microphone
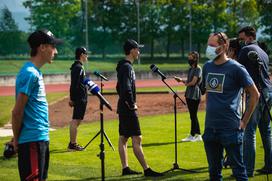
x=94, y=89
x=179, y=79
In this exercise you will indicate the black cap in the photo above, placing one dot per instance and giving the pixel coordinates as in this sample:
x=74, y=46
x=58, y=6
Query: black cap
x=130, y=44
x=79, y=51
x=43, y=36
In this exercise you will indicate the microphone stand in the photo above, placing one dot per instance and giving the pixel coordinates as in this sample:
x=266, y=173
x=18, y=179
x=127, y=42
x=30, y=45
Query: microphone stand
x=259, y=87
x=102, y=133
x=175, y=96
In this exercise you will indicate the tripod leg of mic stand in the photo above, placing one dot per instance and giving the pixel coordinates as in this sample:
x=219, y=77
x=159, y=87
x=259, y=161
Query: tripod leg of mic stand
x=108, y=141
x=266, y=106
x=92, y=139
x=175, y=165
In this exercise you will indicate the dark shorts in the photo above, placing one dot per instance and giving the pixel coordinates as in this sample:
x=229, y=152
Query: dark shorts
x=79, y=110
x=33, y=160
x=129, y=124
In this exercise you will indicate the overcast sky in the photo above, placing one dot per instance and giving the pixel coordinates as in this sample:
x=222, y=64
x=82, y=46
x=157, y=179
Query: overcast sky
x=19, y=12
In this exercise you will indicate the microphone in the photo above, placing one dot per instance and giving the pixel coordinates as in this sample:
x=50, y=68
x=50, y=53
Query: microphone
x=94, y=89
x=100, y=75
x=155, y=69
x=253, y=56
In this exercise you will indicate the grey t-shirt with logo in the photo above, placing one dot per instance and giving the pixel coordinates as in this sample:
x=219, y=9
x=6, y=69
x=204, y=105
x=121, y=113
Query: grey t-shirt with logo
x=193, y=92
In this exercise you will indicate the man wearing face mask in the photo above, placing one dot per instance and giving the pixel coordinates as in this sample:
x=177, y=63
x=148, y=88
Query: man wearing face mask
x=193, y=95
x=223, y=80
x=259, y=71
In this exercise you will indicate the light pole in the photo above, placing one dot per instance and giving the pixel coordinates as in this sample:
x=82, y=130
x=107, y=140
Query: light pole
x=190, y=27
x=86, y=30
x=138, y=24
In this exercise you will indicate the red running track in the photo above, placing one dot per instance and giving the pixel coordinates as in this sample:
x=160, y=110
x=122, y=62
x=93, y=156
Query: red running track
x=10, y=90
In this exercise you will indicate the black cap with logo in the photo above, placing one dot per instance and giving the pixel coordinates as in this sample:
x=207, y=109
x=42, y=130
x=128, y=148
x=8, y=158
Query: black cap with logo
x=79, y=51
x=130, y=44
x=43, y=36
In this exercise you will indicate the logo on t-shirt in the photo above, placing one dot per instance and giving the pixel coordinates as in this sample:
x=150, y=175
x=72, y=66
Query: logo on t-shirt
x=215, y=82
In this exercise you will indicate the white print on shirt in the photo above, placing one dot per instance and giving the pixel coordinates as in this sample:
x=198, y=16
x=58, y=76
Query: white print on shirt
x=215, y=82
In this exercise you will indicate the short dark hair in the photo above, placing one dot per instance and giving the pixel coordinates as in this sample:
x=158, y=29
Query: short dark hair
x=235, y=45
x=33, y=51
x=249, y=31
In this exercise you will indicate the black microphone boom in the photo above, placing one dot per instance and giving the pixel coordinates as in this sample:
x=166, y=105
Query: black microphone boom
x=103, y=100
x=100, y=75
x=155, y=69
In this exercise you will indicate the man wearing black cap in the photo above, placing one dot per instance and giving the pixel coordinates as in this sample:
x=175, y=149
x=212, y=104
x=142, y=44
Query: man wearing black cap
x=78, y=96
x=30, y=122
x=128, y=120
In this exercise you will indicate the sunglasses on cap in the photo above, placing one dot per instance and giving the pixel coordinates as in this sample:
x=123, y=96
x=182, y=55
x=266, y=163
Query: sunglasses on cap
x=221, y=37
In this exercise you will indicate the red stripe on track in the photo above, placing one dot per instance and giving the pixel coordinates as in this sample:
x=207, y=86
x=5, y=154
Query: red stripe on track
x=10, y=90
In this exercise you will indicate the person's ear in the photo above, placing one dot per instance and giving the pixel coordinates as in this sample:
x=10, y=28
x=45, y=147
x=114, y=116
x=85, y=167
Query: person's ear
x=42, y=47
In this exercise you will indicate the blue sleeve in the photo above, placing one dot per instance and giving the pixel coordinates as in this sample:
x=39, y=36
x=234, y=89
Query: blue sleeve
x=27, y=82
x=243, y=77
x=242, y=58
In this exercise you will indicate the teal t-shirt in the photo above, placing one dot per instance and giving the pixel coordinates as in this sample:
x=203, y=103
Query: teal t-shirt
x=35, y=125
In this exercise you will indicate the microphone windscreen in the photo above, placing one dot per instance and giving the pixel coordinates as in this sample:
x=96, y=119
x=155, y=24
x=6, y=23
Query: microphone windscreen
x=96, y=73
x=95, y=90
x=86, y=81
x=92, y=87
x=154, y=68
x=252, y=55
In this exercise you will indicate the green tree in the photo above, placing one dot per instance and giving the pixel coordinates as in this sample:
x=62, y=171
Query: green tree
x=7, y=22
x=151, y=24
x=12, y=40
x=265, y=8
x=54, y=15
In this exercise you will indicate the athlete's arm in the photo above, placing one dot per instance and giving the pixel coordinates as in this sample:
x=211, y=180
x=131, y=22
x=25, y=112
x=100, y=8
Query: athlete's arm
x=17, y=117
x=253, y=101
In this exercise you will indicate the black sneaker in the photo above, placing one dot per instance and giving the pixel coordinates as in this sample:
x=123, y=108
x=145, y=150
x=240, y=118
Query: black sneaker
x=264, y=170
x=151, y=173
x=74, y=147
x=128, y=171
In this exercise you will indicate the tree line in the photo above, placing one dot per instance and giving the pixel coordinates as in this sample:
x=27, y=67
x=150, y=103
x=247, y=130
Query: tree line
x=165, y=25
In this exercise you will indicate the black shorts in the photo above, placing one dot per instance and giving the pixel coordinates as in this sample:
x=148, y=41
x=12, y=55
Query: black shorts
x=33, y=160
x=79, y=110
x=129, y=124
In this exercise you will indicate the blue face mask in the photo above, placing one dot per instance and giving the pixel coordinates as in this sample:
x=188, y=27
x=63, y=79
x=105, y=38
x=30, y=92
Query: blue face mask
x=211, y=52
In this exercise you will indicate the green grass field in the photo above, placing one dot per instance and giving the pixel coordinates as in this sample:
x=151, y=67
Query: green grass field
x=11, y=67
x=7, y=104
x=158, y=145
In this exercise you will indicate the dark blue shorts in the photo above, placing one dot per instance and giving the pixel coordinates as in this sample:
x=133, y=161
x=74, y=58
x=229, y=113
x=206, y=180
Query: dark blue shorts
x=33, y=160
